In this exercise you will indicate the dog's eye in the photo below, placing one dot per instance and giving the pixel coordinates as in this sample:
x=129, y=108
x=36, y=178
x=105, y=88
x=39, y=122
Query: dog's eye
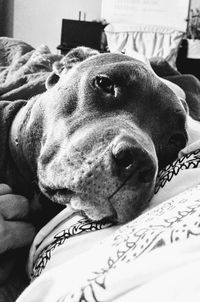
x=104, y=83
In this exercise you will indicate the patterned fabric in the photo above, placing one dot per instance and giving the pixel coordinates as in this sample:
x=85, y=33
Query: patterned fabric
x=188, y=161
x=79, y=227
x=176, y=220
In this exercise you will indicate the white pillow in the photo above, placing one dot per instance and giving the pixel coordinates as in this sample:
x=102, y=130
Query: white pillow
x=149, y=40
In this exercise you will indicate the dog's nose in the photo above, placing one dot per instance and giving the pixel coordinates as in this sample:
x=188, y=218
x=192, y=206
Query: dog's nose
x=123, y=155
x=131, y=156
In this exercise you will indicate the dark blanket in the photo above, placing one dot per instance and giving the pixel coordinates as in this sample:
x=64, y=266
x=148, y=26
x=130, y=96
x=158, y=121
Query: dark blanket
x=23, y=69
x=23, y=72
x=189, y=83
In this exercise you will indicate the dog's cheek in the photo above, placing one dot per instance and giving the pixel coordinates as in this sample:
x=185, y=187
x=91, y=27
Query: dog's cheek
x=32, y=145
x=185, y=105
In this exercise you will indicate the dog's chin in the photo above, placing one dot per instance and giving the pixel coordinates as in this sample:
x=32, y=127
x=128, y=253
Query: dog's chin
x=66, y=197
x=90, y=209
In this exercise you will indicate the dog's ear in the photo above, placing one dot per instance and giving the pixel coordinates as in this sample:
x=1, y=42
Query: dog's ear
x=77, y=55
x=52, y=79
x=185, y=105
x=54, y=76
x=74, y=56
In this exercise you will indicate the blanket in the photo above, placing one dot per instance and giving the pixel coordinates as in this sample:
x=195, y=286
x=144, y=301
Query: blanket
x=23, y=69
x=23, y=72
x=189, y=83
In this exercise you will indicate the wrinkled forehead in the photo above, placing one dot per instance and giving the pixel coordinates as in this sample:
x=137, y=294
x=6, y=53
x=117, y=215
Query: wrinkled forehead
x=107, y=58
x=116, y=64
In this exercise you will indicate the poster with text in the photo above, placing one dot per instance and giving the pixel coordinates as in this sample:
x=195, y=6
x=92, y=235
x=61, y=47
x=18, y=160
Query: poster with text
x=172, y=13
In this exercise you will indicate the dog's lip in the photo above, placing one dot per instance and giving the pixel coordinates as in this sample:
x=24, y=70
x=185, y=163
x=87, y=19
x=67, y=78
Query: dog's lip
x=57, y=194
x=61, y=191
x=64, y=196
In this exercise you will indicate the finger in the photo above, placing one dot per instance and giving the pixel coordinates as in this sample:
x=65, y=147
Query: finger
x=14, y=206
x=15, y=235
x=5, y=189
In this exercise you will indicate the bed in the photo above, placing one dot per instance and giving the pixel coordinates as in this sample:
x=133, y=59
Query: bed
x=155, y=256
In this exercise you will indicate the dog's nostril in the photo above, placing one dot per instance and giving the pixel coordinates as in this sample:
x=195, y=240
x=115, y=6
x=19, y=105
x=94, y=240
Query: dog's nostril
x=123, y=158
x=146, y=175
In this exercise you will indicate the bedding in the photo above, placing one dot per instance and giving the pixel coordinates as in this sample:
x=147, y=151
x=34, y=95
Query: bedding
x=23, y=69
x=73, y=259
x=150, y=40
x=23, y=72
x=155, y=255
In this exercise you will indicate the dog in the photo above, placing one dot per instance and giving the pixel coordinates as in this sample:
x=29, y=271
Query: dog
x=97, y=137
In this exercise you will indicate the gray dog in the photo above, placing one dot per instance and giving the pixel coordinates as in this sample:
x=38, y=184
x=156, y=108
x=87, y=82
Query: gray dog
x=96, y=138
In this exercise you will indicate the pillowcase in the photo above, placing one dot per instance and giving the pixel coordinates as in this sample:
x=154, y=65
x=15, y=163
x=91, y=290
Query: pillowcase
x=149, y=40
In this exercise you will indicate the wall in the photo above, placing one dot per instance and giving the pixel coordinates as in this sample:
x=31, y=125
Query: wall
x=6, y=17
x=1, y=18
x=195, y=4
x=39, y=21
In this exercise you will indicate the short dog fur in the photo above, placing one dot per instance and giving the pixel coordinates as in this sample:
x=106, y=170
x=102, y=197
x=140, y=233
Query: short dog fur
x=97, y=137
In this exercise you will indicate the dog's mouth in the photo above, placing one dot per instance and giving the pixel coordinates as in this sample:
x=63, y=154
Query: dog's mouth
x=61, y=192
x=64, y=196
x=58, y=195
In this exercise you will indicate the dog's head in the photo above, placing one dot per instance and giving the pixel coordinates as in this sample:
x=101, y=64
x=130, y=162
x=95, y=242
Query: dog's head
x=106, y=124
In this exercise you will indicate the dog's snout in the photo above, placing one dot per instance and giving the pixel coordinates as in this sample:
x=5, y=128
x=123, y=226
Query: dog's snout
x=147, y=173
x=131, y=156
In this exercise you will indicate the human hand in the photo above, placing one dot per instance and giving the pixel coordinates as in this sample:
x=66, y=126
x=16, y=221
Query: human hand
x=14, y=232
